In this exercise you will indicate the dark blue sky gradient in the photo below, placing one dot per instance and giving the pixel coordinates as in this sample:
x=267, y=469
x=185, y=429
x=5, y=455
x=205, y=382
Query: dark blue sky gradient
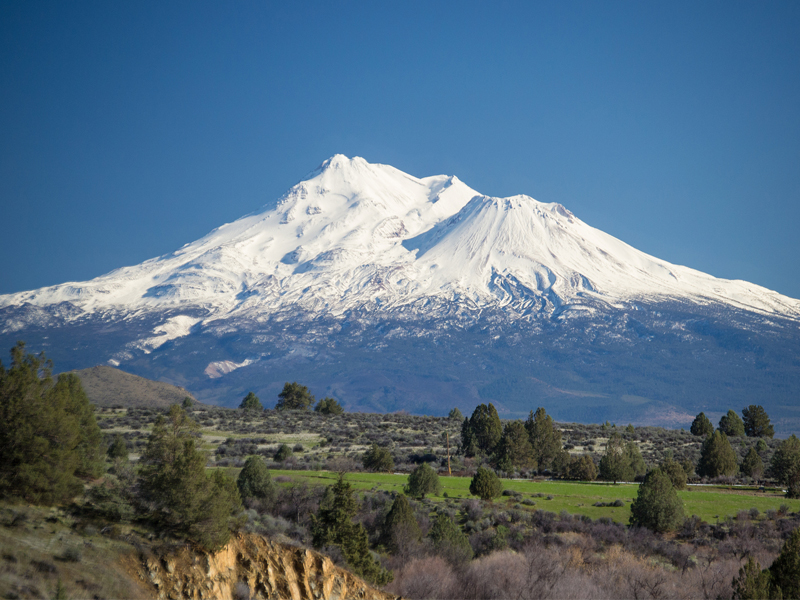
x=128, y=130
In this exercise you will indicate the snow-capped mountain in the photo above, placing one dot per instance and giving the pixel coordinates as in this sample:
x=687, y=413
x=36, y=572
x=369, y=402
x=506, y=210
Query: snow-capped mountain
x=367, y=243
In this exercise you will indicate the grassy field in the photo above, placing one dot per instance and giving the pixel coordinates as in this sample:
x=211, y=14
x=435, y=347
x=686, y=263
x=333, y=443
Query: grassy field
x=710, y=504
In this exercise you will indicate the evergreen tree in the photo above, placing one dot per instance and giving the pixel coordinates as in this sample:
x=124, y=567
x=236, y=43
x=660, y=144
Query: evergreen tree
x=251, y=402
x=514, y=450
x=701, y=425
x=756, y=422
x=485, y=484
x=752, y=583
x=785, y=465
x=752, y=465
x=449, y=541
x=329, y=406
x=282, y=453
x=785, y=571
x=675, y=472
x=255, y=481
x=486, y=428
x=544, y=436
x=118, y=448
x=294, y=397
x=468, y=445
x=635, y=463
x=400, y=528
x=582, y=468
x=657, y=505
x=187, y=403
x=174, y=482
x=455, y=414
x=423, y=480
x=717, y=457
x=90, y=439
x=731, y=425
x=48, y=433
x=615, y=463
x=333, y=525
x=378, y=459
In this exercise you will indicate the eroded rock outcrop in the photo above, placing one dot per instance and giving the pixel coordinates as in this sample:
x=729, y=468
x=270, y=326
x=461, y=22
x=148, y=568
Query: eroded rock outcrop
x=252, y=566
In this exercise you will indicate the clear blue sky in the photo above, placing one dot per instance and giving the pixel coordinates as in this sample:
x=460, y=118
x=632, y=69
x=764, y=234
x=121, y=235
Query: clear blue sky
x=130, y=129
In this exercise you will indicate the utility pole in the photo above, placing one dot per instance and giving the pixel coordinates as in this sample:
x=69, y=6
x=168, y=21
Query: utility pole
x=449, y=472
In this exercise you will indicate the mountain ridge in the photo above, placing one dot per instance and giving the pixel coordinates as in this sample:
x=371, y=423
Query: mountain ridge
x=360, y=262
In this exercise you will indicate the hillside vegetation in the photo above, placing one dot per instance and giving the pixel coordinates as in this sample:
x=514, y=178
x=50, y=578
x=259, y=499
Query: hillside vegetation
x=107, y=386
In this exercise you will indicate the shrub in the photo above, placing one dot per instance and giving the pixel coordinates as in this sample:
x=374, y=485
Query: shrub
x=251, y=403
x=657, y=505
x=423, y=480
x=255, y=481
x=329, y=406
x=282, y=453
x=485, y=484
x=378, y=459
x=449, y=541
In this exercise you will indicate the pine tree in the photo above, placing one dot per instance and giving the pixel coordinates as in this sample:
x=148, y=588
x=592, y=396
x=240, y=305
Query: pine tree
x=615, y=463
x=400, y=528
x=657, y=505
x=485, y=427
x=294, y=397
x=282, y=453
x=174, y=482
x=636, y=466
x=333, y=525
x=717, y=457
x=251, y=402
x=423, y=480
x=468, y=445
x=544, y=436
x=118, y=448
x=785, y=465
x=752, y=583
x=255, y=481
x=455, y=414
x=785, y=571
x=48, y=433
x=701, y=425
x=449, y=541
x=675, y=472
x=514, y=450
x=329, y=406
x=731, y=425
x=485, y=484
x=581, y=468
x=378, y=459
x=756, y=422
x=752, y=465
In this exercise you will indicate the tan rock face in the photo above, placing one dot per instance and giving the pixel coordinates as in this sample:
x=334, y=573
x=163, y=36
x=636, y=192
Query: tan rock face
x=255, y=567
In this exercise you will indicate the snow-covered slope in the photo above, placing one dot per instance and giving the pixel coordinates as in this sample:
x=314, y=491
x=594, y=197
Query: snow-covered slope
x=355, y=235
x=391, y=292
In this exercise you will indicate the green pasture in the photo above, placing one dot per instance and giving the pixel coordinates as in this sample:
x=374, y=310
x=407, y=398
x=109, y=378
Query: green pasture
x=710, y=504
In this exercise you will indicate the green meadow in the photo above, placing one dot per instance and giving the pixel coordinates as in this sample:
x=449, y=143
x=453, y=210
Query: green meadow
x=708, y=503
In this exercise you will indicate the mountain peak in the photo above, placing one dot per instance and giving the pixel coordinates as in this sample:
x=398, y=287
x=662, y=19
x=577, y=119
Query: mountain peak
x=360, y=234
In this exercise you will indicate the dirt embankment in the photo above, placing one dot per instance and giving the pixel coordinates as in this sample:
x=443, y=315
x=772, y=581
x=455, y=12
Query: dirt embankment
x=251, y=566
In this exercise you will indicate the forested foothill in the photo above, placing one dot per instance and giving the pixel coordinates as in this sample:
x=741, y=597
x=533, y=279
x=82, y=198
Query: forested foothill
x=139, y=478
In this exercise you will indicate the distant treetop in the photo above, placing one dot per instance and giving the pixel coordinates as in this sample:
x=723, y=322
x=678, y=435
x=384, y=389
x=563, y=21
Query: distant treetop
x=251, y=402
x=294, y=397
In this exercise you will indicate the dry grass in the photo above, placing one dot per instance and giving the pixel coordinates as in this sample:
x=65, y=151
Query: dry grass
x=42, y=546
